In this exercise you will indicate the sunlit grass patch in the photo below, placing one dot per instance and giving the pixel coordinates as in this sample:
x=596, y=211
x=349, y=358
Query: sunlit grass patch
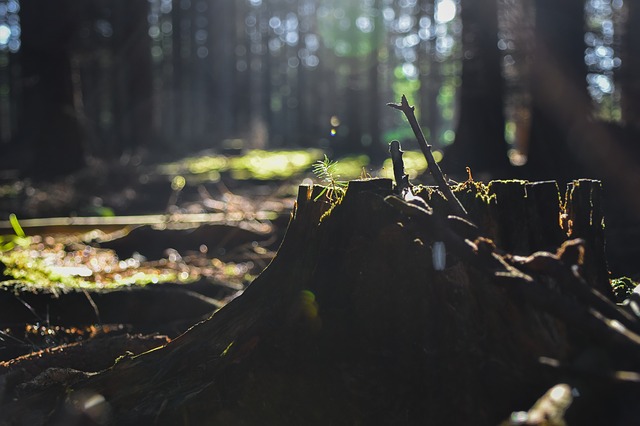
x=272, y=165
x=58, y=266
x=255, y=164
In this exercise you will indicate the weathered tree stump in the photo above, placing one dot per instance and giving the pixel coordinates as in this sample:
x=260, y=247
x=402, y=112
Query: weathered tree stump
x=351, y=323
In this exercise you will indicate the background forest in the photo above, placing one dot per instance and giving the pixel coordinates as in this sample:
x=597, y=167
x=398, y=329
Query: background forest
x=551, y=85
x=535, y=89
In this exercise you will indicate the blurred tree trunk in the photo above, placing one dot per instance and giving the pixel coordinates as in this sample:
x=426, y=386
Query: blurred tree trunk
x=240, y=65
x=266, y=88
x=480, y=142
x=356, y=84
x=376, y=150
x=561, y=106
x=430, y=79
x=304, y=134
x=174, y=102
x=134, y=79
x=372, y=146
x=222, y=66
x=49, y=122
x=355, y=102
x=629, y=75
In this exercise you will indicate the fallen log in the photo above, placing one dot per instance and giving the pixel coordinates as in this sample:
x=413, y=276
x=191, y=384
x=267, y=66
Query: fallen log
x=355, y=322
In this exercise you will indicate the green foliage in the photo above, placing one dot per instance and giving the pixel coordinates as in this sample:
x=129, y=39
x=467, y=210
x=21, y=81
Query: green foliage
x=446, y=100
x=325, y=170
x=16, y=226
x=409, y=87
x=401, y=133
x=105, y=212
x=623, y=287
x=354, y=40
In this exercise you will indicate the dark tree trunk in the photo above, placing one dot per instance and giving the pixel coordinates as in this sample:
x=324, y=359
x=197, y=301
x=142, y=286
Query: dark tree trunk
x=134, y=80
x=430, y=81
x=264, y=88
x=303, y=131
x=176, y=99
x=372, y=145
x=376, y=149
x=629, y=76
x=241, y=73
x=566, y=141
x=221, y=75
x=561, y=106
x=480, y=142
x=49, y=121
x=6, y=99
x=354, y=98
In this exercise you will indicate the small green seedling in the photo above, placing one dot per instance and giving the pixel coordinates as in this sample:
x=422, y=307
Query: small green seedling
x=325, y=171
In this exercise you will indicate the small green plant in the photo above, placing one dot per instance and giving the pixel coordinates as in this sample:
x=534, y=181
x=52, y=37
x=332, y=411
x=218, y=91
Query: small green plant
x=325, y=170
x=8, y=242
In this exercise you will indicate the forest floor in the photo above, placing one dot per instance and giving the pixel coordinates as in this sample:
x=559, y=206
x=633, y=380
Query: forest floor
x=89, y=252
x=189, y=236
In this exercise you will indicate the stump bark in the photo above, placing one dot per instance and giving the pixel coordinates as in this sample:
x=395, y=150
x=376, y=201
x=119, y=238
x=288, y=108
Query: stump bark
x=351, y=323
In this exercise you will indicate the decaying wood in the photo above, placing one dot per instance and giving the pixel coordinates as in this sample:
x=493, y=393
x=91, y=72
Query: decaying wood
x=352, y=324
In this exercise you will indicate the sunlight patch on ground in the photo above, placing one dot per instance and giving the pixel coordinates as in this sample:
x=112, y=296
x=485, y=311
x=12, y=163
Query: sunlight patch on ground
x=56, y=266
x=255, y=164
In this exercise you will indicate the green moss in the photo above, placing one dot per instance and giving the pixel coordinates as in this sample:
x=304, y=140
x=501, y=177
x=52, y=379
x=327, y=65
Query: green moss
x=623, y=287
x=474, y=190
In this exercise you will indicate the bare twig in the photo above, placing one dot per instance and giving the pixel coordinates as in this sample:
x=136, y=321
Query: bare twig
x=402, y=180
x=433, y=166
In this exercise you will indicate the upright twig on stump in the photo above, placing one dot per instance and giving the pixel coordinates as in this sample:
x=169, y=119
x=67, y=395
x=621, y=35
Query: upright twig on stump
x=402, y=180
x=433, y=166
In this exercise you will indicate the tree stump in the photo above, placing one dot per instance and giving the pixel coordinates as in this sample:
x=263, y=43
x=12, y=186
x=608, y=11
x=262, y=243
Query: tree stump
x=352, y=322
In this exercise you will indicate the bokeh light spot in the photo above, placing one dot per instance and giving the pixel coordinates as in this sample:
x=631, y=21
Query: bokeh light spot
x=445, y=11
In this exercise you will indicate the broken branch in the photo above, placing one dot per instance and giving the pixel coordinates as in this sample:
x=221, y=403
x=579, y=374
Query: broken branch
x=433, y=166
x=402, y=180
